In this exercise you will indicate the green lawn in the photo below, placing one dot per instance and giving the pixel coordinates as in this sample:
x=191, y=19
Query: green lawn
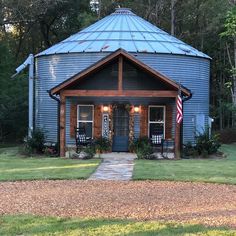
x=202, y=170
x=34, y=225
x=15, y=167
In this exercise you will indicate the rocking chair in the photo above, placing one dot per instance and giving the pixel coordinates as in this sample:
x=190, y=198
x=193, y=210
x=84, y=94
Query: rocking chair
x=81, y=140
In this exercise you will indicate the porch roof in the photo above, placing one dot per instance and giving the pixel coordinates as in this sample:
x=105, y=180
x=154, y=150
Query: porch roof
x=104, y=61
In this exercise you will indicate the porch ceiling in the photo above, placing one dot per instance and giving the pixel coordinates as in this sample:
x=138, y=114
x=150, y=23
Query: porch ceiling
x=68, y=84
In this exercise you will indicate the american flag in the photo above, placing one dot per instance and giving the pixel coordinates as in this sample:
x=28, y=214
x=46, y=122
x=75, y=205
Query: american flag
x=179, y=113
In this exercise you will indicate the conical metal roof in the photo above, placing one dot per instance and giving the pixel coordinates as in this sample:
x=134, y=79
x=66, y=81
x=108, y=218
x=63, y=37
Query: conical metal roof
x=123, y=29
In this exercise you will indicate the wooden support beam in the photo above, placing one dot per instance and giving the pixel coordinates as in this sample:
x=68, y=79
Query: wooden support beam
x=117, y=93
x=62, y=126
x=177, y=137
x=120, y=73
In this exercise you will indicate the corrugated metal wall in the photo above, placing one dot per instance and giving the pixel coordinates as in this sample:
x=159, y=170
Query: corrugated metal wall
x=192, y=72
x=50, y=71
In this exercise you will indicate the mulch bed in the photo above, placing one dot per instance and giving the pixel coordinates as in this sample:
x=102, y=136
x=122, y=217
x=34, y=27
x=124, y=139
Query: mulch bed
x=209, y=204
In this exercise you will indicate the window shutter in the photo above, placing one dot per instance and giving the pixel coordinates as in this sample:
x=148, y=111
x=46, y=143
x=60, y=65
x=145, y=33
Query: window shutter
x=97, y=121
x=168, y=125
x=73, y=119
x=144, y=121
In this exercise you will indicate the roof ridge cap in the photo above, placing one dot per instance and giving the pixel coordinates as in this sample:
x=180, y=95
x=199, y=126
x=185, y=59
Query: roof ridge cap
x=123, y=11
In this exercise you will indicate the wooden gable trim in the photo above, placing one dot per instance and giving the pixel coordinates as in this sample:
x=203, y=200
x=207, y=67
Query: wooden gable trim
x=85, y=72
x=155, y=73
x=117, y=93
x=119, y=53
x=120, y=73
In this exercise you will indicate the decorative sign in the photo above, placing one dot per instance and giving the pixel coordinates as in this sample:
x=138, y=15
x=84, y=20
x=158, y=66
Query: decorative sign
x=105, y=126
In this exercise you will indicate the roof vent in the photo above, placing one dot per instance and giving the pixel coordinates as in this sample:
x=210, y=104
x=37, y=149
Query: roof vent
x=123, y=11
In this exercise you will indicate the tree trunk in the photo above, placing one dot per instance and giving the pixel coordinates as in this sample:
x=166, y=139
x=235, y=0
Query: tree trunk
x=173, y=2
x=234, y=81
x=234, y=76
x=99, y=8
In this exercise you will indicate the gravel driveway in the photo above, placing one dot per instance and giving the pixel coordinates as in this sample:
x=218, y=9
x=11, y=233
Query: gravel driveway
x=210, y=204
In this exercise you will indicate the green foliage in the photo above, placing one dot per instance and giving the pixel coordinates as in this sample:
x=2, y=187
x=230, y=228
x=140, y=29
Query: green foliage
x=44, y=226
x=102, y=144
x=35, y=144
x=145, y=152
x=230, y=24
x=13, y=99
x=90, y=151
x=228, y=85
x=206, y=145
x=142, y=148
x=14, y=167
x=189, y=150
x=221, y=170
x=138, y=143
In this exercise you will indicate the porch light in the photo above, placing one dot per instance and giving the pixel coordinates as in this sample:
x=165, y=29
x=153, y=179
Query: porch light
x=105, y=108
x=136, y=109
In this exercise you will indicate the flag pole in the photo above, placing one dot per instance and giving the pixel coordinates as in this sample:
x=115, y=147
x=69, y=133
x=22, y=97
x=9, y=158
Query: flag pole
x=179, y=118
x=177, y=139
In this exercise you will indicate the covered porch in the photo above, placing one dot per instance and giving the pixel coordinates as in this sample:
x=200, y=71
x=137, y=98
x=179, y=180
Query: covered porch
x=122, y=99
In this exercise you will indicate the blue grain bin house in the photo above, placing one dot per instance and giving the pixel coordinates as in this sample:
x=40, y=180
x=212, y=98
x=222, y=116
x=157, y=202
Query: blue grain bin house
x=119, y=78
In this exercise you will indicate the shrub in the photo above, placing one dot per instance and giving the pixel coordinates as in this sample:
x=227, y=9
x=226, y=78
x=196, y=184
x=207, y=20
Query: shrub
x=102, y=144
x=206, y=145
x=144, y=152
x=90, y=151
x=142, y=148
x=189, y=150
x=138, y=143
x=35, y=144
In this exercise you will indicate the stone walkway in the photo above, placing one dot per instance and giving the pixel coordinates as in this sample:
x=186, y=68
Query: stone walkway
x=115, y=166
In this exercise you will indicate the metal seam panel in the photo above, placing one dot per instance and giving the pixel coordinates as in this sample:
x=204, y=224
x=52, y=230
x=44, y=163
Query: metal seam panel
x=139, y=35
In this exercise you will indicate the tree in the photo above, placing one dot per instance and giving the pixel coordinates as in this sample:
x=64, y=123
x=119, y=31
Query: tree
x=230, y=33
x=29, y=26
x=13, y=98
x=38, y=24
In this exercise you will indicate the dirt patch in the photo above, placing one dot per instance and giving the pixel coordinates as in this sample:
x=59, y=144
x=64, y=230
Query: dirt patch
x=210, y=204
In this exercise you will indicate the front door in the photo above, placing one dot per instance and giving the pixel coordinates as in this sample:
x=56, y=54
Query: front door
x=121, y=129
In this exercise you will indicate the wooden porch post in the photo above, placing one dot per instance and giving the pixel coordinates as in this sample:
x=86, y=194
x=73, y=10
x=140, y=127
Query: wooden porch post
x=177, y=136
x=62, y=125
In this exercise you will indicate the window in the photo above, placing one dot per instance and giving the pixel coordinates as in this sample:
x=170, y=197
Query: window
x=156, y=122
x=85, y=119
